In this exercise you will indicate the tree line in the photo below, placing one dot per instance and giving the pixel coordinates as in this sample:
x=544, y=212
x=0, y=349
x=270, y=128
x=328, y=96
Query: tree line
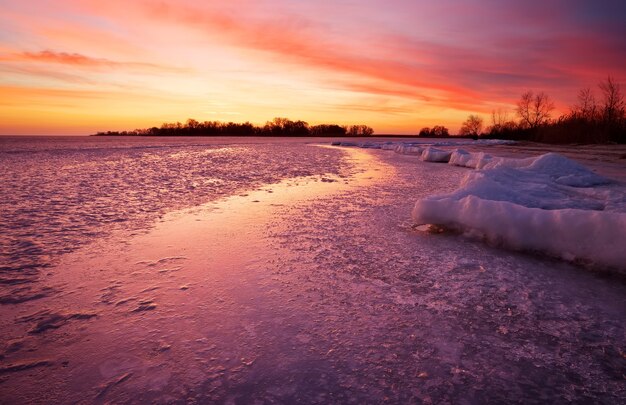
x=276, y=127
x=591, y=120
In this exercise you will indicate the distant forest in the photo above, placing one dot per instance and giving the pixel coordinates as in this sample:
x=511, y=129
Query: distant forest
x=591, y=120
x=276, y=127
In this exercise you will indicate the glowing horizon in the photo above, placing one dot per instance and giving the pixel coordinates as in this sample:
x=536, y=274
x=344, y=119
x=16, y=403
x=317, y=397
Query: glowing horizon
x=80, y=66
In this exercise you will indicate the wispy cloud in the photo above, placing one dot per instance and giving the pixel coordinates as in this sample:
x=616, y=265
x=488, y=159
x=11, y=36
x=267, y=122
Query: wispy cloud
x=83, y=61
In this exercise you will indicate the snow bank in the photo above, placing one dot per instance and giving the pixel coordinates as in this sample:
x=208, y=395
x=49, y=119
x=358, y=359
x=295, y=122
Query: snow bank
x=431, y=154
x=560, y=169
x=548, y=203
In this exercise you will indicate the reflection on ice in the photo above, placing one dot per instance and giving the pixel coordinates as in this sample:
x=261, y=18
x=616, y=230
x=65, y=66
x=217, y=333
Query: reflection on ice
x=61, y=194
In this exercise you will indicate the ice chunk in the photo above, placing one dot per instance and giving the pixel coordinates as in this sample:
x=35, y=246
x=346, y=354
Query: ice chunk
x=544, y=204
x=459, y=157
x=479, y=160
x=431, y=154
x=412, y=150
x=399, y=148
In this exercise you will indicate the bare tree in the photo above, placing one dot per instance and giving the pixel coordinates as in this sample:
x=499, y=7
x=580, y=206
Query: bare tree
x=587, y=107
x=499, y=118
x=534, y=109
x=472, y=126
x=614, y=107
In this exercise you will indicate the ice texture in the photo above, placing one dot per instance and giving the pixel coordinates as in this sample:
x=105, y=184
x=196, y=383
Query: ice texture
x=548, y=203
x=61, y=193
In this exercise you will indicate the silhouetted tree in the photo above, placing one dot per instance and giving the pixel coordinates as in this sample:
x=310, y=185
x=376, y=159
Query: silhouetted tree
x=277, y=127
x=424, y=132
x=473, y=126
x=586, y=107
x=613, y=108
x=328, y=130
x=499, y=117
x=360, y=130
x=534, y=109
x=439, y=131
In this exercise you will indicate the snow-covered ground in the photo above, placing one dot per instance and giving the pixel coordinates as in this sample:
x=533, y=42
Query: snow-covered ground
x=319, y=289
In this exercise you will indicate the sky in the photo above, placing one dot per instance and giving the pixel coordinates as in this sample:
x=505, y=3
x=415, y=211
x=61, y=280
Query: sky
x=70, y=67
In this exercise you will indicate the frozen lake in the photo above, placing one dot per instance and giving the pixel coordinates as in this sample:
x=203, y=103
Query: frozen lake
x=272, y=271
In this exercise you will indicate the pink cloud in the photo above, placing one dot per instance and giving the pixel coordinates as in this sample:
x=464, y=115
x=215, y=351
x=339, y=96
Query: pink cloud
x=82, y=61
x=447, y=72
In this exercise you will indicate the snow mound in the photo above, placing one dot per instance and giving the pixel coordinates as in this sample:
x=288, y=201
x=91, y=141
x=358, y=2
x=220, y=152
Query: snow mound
x=431, y=154
x=559, y=168
x=547, y=203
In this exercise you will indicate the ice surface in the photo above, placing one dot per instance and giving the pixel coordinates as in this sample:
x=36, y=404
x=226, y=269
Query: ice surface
x=548, y=203
x=61, y=193
x=320, y=292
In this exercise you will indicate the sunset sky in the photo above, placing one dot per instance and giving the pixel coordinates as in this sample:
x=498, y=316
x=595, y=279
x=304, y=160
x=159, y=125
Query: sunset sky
x=79, y=66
